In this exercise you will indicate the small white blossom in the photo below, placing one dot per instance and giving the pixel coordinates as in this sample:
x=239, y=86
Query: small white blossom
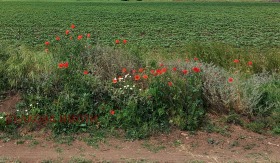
x=130, y=88
x=127, y=85
x=30, y=105
x=17, y=110
x=1, y=117
x=26, y=110
x=140, y=89
x=133, y=85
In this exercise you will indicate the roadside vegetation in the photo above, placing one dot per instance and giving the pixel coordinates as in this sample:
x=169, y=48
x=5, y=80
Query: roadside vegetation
x=145, y=80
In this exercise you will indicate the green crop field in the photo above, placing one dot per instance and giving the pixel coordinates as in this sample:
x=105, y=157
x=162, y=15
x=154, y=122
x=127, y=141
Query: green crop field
x=164, y=25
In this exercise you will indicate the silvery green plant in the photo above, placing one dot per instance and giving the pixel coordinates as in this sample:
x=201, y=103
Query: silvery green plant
x=255, y=98
x=220, y=95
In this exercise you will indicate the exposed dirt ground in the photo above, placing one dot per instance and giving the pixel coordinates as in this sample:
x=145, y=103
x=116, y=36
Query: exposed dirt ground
x=239, y=145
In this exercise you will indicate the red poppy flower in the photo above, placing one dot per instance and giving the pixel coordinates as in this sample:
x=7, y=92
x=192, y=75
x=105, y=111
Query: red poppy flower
x=112, y=112
x=152, y=71
x=158, y=72
x=115, y=80
x=196, y=59
x=80, y=37
x=236, y=61
x=141, y=70
x=67, y=32
x=250, y=63
x=136, y=77
x=163, y=70
x=88, y=35
x=170, y=84
x=123, y=70
x=66, y=65
x=117, y=41
x=196, y=69
x=73, y=26
x=145, y=76
x=133, y=71
x=124, y=41
x=85, y=72
x=57, y=38
x=47, y=43
x=174, y=68
x=185, y=71
x=230, y=80
x=60, y=65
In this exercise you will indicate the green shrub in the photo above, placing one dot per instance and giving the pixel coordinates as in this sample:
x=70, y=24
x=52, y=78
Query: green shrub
x=77, y=77
x=165, y=98
x=260, y=94
x=220, y=95
x=24, y=67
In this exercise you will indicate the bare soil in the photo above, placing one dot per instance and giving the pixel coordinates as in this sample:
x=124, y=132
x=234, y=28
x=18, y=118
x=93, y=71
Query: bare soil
x=240, y=145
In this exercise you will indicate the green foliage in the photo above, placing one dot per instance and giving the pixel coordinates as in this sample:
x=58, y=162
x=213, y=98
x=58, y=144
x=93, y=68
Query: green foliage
x=74, y=77
x=260, y=94
x=145, y=106
x=23, y=66
x=223, y=55
x=166, y=25
x=234, y=118
x=219, y=95
x=257, y=126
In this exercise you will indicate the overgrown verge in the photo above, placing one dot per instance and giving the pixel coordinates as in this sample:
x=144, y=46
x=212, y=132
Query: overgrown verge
x=75, y=85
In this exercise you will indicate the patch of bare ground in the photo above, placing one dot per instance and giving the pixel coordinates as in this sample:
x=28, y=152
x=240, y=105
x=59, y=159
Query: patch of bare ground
x=8, y=104
x=177, y=146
